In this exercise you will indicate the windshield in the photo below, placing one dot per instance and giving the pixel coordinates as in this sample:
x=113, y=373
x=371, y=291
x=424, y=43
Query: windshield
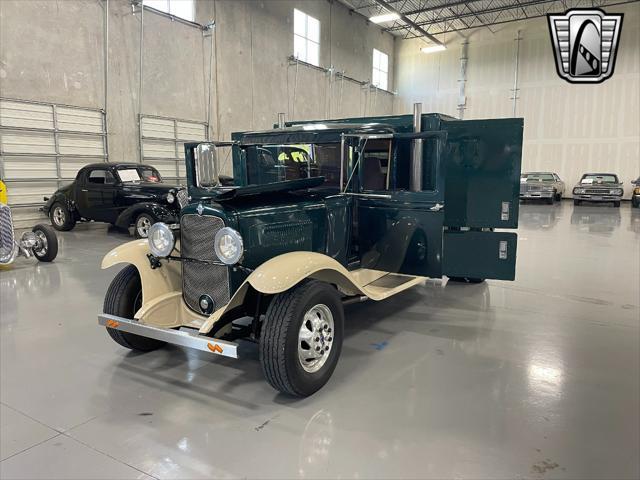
x=540, y=177
x=596, y=178
x=139, y=174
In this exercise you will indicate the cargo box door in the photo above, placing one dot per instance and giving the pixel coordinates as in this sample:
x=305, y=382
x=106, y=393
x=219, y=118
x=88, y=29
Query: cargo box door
x=482, y=177
x=478, y=254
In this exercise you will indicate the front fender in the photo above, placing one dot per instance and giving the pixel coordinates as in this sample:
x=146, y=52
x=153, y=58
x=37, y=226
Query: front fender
x=157, y=282
x=160, y=212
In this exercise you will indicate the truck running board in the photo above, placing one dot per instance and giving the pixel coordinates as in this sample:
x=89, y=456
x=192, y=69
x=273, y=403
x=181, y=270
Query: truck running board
x=176, y=337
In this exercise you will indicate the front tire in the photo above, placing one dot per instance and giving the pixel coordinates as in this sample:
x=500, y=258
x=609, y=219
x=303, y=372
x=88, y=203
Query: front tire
x=123, y=299
x=616, y=204
x=142, y=224
x=61, y=218
x=576, y=202
x=47, y=248
x=299, y=349
x=558, y=197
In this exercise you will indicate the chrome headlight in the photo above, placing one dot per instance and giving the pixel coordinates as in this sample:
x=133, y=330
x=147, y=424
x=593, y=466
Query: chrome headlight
x=161, y=240
x=171, y=197
x=615, y=191
x=228, y=245
x=579, y=190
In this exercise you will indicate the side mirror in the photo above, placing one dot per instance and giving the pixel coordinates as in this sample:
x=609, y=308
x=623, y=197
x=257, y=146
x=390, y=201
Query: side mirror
x=206, y=165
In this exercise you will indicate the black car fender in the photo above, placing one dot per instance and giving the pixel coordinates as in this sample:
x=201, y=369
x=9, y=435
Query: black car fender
x=59, y=197
x=159, y=212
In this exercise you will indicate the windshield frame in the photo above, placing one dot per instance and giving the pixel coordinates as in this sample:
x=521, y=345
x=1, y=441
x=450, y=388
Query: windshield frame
x=138, y=169
x=594, y=176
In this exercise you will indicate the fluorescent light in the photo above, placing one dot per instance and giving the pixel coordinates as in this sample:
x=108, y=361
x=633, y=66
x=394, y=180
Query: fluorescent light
x=433, y=48
x=386, y=17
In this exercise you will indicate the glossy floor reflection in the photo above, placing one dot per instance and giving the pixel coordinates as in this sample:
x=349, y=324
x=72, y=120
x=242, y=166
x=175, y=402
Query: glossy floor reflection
x=536, y=378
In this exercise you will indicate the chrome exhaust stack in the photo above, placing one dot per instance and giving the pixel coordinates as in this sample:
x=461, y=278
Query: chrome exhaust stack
x=416, y=150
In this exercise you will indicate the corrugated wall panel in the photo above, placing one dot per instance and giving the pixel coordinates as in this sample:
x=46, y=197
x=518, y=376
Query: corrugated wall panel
x=77, y=120
x=157, y=128
x=24, y=193
x=69, y=166
x=80, y=145
x=191, y=131
x=27, y=142
x=158, y=149
x=166, y=168
x=21, y=168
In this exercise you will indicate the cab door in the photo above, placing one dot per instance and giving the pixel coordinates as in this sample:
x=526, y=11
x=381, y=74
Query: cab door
x=96, y=196
x=396, y=230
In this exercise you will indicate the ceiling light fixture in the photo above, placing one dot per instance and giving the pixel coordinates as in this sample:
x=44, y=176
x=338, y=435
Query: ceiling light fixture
x=385, y=17
x=433, y=49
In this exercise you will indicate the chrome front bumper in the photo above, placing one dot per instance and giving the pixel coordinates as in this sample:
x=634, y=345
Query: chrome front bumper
x=183, y=338
x=528, y=195
x=597, y=198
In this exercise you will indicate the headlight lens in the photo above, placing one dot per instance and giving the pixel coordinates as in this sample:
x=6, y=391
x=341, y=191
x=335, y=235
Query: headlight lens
x=228, y=245
x=636, y=191
x=171, y=197
x=579, y=190
x=615, y=191
x=161, y=239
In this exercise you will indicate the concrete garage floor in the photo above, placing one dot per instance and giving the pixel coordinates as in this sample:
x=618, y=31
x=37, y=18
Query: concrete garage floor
x=536, y=378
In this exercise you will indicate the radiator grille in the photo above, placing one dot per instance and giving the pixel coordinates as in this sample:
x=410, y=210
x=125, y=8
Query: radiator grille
x=197, y=234
x=598, y=191
x=7, y=244
x=183, y=197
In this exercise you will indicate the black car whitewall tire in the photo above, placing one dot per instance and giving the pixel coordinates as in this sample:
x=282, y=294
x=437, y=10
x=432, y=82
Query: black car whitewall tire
x=61, y=218
x=301, y=338
x=123, y=299
x=46, y=248
x=142, y=224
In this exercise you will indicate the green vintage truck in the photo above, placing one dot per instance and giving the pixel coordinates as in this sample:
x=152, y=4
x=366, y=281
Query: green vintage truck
x=321, y=214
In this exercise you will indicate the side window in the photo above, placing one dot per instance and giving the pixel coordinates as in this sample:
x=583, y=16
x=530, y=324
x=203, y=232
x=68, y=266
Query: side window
x=100, y=177
x=403, y=159
x=327, y=157
x=375, y=164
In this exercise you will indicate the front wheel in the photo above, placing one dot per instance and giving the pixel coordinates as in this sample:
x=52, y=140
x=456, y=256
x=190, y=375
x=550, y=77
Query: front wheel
x=46, y=248
x=616, y=204
x=558, y=197
x=301, y=338
x=576, y=202
x=61, y=218
x=142, y=225
x=124, y=299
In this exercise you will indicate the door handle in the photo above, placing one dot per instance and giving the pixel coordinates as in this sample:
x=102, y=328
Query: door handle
x=437, y=207
x=85, y=190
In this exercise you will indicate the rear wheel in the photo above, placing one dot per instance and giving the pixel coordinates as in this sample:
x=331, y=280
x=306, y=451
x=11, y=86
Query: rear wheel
x=124, y=299
x=301, y=338
x=46, y=248
x=142, y=225
x=61, y=218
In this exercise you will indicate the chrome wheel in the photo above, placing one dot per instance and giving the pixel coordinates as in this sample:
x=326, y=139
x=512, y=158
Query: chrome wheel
x=315, y=338
x=40, y=250
x=58, y=216
x=142, y=226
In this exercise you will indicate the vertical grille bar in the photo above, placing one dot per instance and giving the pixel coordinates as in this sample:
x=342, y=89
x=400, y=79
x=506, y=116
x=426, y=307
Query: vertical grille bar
x=197, y=235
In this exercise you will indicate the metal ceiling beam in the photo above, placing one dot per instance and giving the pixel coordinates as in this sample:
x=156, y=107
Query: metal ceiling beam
x=409, y=22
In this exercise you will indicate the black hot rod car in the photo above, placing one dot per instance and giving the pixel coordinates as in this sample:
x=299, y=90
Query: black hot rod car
x=118, y=193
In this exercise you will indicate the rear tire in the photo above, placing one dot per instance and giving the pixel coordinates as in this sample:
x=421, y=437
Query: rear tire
x=61, y=218
x=123, y=299
x=48, y=241
x=293, y=318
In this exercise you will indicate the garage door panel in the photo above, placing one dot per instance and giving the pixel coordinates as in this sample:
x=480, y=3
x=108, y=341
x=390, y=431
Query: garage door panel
x=26, y=115
x=23, y=193
x=80, y=145
x=166, y=168
x=191, y=131
x=69, y=167
x=158, y=149
x=19, y=168
x=27, y=217
x=79, y=120
x=27, y=142
x=158, y=128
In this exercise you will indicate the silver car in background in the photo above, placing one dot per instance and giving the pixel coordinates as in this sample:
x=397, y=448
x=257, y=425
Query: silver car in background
x=598, y=187
x=541, y=185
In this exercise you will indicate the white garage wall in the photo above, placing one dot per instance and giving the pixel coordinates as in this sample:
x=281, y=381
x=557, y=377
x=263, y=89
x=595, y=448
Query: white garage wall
x=569, y=129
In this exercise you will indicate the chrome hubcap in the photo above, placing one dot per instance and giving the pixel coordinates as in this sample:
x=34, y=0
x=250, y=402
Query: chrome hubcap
x=41, y=247
x=58, y=216
x=142, y=225
x=315, y=338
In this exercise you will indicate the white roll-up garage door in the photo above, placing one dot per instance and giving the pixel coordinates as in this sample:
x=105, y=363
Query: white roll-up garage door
x=42, y=147
x=163, y=140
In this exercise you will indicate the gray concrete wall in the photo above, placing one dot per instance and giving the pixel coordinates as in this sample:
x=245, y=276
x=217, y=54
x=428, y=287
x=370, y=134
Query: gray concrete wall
x=569, y=128
x=52, y=51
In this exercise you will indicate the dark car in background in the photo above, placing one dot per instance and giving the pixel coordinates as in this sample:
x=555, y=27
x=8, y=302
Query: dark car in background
x=122, y=194
x=635, y=196
x=598, y=187
x=541, y=185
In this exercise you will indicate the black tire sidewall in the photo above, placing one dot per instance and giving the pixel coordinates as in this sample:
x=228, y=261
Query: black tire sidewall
x=52, y=243
x=69, y=221
x=316, y=293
